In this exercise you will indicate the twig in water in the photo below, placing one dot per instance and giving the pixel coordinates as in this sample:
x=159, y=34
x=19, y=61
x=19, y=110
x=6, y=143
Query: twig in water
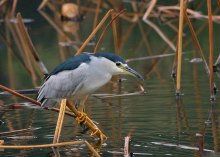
x=17, y=131
x=127, y=151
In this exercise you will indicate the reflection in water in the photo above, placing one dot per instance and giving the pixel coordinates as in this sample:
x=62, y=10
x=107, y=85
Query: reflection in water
x=158, y=123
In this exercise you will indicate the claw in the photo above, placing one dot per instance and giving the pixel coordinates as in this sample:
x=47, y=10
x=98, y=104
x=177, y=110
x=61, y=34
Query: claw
x=82, y=118
x=99, y=133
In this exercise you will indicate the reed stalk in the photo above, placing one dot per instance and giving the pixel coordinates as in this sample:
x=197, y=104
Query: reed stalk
x=59, y=121
x=10, y=59
x=161, y=34
x=210, y=24
x=115, y=34
x=13, y=9
x=149, y=9
x=218, y=2
x=61, y=144
x=31, y=100
x=179, y=51
x=195, y=39
x=96, y=13
x=43, y=4
x=80, y=50
x=26, y=55
x=30, y=45
x=88, y=122
x=2, y=2
x=127, y=151
x=9, y=45
x=105, y=29
x=92, y=149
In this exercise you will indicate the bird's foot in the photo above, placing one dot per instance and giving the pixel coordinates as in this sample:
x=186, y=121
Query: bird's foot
x=82, y=118
x=98, y=132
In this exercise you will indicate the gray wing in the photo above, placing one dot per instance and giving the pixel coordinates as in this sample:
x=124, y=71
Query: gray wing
x=61, y=85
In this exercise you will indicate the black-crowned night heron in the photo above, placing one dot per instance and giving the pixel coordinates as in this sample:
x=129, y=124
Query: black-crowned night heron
x=80, y=76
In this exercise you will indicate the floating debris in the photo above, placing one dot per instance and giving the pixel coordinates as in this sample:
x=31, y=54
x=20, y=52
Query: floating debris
x=18, y=131
x=196, y=60
x=117, y=152
x=74, y=43
x=180, y=146
x=22, y=137
x=14, y=20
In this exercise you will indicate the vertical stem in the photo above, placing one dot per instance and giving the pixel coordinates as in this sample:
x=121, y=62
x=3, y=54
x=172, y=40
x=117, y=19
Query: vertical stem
x=127, y=146
x=94, y=31
x=149, y=9
x=179, y=51
x=43, y=4
x=211, y=83
x=96, y=13
x=30, y=46
x=59, y=121
x=115, y=34
x=13, y=10
x=10, y=59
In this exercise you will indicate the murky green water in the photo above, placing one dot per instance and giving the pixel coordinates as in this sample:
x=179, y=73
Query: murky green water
x=159, y=124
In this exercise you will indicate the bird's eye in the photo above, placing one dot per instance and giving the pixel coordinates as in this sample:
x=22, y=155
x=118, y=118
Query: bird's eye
x=118, y=63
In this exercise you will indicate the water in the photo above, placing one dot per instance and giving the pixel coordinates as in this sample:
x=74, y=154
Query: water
x=159, y=124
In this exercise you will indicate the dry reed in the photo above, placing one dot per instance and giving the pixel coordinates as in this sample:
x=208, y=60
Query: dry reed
x=211, y=80
x=59, y=121
x=61, y=144
x=30, y=99
x=106, y=28
x=94, y=31
x=179, y=50
x=30, y=45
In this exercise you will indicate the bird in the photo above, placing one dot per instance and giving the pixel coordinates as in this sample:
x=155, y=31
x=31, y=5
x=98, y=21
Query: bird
x=80, y=76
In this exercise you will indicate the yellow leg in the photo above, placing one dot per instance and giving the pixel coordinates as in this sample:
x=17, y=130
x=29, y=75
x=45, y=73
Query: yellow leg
x=83, y=118
x=82, y=104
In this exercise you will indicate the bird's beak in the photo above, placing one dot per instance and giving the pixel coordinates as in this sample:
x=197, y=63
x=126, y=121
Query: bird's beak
x=133, y=72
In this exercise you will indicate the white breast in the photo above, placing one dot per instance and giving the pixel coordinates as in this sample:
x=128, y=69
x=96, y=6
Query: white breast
x=98, y=74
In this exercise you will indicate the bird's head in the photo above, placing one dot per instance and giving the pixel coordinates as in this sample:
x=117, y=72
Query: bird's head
x=119, y=66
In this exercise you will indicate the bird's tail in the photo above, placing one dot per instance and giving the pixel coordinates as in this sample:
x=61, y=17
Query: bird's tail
x=49, y=103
